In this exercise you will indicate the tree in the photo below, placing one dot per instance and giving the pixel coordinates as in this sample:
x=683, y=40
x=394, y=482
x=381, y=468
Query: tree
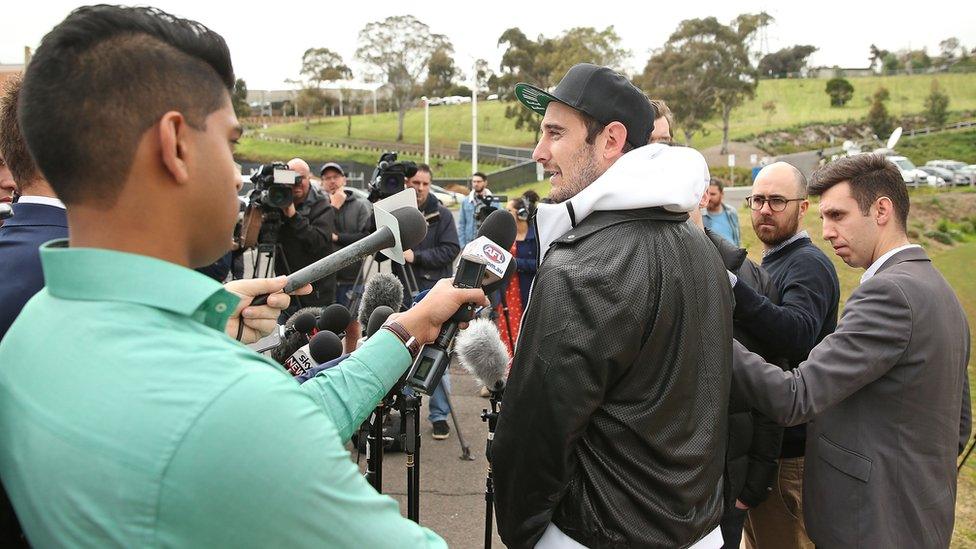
x=769, y=107
x=239, y=99
x=543, y=61
x=936, y=105
x=840, y=91
x=705, y=68
x=878, y=118
x=877, y=57
x=948, y=48
x=309, y=101
x=786, y=61
x=441, y=74
x=319, y=65
x=399, y=49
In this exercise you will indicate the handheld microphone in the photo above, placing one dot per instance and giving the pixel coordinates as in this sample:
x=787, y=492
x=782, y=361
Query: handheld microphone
x=481, y=351
x=412, y=229
x=377, y=319
x=305, y=323
x=488, y=252
x=294, y=334
x=324, y=346
x=382, y=289
x=335, y=318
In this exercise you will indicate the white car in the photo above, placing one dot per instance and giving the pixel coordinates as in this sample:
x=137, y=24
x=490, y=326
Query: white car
x=448, y=198
x=913, y=176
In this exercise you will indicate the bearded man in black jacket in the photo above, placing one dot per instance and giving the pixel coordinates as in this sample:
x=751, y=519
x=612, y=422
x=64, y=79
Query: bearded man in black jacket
x=613, y=424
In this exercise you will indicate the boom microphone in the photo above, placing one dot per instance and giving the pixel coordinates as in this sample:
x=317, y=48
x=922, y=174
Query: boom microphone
x=413, y=229
x=481, y=351
x=382, y=289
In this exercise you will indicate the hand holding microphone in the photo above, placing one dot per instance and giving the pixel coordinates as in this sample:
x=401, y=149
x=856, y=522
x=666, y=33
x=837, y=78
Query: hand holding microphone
x=251, y=321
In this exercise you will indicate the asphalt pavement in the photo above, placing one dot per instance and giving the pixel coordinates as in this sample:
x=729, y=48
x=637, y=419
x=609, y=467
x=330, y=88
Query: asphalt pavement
x=452, y=490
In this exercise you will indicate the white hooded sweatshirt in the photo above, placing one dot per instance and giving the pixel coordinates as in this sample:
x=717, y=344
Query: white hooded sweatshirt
x=654, y=175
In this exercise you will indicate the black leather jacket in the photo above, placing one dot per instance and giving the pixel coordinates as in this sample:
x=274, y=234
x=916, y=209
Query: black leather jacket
x=613, y=424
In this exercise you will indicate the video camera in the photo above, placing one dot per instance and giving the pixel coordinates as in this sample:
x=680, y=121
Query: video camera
x=274, y=185
x=484, y=205
x=390, y=176
x=274, y=188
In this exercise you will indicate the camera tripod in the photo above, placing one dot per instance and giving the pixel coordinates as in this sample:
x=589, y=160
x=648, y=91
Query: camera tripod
x=409, y=407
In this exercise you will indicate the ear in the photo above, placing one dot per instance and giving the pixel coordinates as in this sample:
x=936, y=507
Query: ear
x=885, y=210
x=173, y=133
x=804, y=206
x=616, y=136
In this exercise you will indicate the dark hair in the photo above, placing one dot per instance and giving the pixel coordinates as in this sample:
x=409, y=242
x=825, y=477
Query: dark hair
x=716, y=183
x=593, y=129
x=13, y=149
x=531, y=196
x=870, y=177
x=424, y=168
x=481, y=175
x=105, y=75
x=663, y=111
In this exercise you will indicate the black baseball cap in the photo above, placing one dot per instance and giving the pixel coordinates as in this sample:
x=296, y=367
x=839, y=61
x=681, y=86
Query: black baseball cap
x=332, y=166
x=601, y=93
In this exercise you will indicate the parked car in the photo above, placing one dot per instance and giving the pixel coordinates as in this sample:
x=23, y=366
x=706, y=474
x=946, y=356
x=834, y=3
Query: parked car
x=970, y=171
x=954, y=166
x=448, y=198
x=941, y=173
x=912, y=176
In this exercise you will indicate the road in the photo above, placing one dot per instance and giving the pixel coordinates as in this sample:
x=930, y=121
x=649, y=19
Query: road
x=452, y=491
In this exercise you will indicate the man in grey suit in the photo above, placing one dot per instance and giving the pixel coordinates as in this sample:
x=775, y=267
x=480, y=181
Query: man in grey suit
x=886, y=395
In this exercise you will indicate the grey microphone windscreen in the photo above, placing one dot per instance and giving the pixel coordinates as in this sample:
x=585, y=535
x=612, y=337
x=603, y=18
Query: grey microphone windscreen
x=481, y=351
x=381, y=289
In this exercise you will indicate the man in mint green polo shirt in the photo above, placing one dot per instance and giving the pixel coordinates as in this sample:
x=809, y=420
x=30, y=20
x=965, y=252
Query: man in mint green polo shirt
x=127, y=416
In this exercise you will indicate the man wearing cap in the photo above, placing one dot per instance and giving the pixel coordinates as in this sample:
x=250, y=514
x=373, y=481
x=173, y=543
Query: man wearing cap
x=351, y=224
x=614, y=424
x=306, y=236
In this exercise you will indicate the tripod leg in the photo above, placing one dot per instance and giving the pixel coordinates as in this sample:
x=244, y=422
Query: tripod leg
x=409, y=427
x=374, y=449
x=465, y=449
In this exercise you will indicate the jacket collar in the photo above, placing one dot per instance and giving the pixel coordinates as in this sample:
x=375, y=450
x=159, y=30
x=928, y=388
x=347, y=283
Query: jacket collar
x=35, y=215
x=601, y=220
x=908, y=253
x=653, y=176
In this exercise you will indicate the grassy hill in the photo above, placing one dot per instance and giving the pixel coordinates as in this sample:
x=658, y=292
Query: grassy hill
x=798, y=101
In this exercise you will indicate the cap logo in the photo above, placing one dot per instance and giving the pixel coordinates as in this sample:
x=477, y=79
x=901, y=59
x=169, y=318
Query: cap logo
x=533, y=98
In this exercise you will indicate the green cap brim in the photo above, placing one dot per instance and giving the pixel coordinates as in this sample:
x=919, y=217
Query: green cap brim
x=533, y=98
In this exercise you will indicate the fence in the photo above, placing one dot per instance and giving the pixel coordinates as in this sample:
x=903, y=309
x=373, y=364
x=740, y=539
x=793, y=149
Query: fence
x=507, y=155
x=501, y=180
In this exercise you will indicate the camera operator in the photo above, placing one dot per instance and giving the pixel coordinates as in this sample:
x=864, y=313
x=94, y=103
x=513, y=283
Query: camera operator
x=431, y=261
x=475, y=207
x=139, y=422
x=306, y=236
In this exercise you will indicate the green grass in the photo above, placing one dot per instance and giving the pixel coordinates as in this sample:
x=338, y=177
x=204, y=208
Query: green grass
x=257, y=150
x=955, y=145
x=798, y=102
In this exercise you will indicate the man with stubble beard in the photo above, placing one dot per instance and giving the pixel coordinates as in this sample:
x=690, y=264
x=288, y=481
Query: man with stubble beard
x=809, y=293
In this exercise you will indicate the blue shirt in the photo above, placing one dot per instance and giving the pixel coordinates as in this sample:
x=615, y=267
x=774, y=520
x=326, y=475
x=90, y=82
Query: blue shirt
x=725, y=223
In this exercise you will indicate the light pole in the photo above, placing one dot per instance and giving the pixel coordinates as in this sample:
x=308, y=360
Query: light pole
x=474, y=118
x=426, y=129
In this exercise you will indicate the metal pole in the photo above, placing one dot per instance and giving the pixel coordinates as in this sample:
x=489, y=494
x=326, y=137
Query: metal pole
x=474, y=118
x=426, y=130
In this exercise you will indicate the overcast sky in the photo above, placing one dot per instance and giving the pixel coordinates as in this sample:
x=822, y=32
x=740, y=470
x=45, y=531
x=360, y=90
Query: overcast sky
x=267, y=39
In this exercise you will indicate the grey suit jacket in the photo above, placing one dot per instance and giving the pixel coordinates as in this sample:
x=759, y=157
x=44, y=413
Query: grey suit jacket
x=882, y=398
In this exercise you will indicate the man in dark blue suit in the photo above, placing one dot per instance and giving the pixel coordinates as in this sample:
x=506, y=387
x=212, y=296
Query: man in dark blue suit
x=38, y=216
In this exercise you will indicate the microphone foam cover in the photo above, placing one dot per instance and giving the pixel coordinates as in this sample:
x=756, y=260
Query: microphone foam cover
x=377, y=319
x=305, y=323
x=382, y=289
x=324, y=346
x=481, y=351
x=334, y=318
x=413, y=226
x=500, y=228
